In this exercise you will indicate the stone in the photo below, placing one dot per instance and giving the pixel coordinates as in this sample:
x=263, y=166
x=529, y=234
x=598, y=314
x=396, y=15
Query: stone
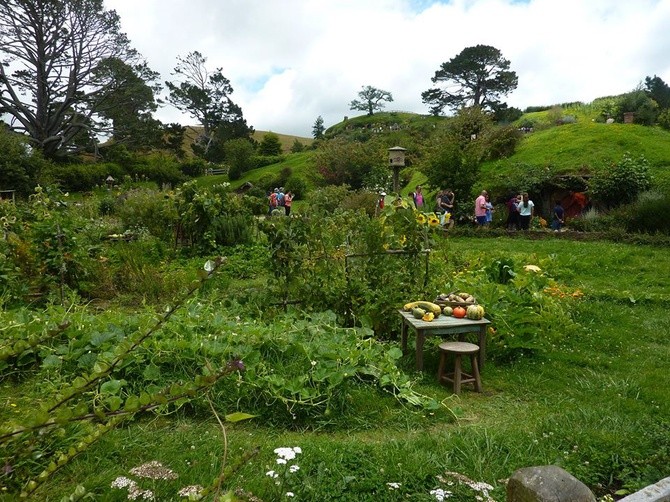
x=658, y=492
x=546, y=483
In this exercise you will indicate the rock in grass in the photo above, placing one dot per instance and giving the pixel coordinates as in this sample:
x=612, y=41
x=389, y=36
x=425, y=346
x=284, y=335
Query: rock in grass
x=547, y=483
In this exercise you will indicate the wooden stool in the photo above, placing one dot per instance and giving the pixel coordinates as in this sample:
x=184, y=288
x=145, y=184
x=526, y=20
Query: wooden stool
x=458, y=377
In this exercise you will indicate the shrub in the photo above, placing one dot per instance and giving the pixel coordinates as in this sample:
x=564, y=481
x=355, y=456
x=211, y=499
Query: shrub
x=366, y=201
x=212, y=217
x=83, y=177
x=149, y=209
x=648, y=214
x=620, y=183
x=501, y=142
x=270, y=145
x=163, y=171
x=257, y=205
x=327, y=199
x=20, y=170
x=265, y=160
x=193, y=167
x=106, y=206
x=297, y=146
x=239, y=156
x=297, y=186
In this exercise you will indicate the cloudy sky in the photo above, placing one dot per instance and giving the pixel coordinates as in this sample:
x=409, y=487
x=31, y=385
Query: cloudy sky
x=290, y=61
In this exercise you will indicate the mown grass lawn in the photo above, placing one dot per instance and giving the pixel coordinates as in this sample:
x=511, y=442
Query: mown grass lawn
x=595, y=404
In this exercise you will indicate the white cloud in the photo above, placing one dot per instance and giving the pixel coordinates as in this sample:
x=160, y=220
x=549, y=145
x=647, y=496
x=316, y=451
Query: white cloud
x=294, y=60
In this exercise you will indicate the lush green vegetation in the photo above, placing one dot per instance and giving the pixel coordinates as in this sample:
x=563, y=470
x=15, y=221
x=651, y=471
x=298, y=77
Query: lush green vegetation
x=130, y=352
x=180, y=325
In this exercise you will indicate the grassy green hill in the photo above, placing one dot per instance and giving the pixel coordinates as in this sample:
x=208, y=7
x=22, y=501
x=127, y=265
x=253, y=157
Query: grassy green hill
x=572, y=148
x=581, y=147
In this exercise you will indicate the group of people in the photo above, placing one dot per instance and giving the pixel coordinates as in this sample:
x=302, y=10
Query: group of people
x=444, y=207
x=520, y=209
x=520, y=212
x=444, y=204
x=483, y=209
x=277, y=198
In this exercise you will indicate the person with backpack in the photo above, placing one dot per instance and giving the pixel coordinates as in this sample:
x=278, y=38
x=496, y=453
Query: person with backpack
x=288, y=200
x=273, y=201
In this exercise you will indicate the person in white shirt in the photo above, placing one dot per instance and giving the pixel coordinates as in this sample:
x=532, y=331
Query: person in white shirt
x=526, y=211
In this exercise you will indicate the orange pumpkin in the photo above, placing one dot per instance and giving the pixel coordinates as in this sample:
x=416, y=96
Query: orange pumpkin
x=459, y=312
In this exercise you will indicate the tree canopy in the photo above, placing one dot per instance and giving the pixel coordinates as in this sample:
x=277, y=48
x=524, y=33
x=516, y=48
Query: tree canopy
x=371, y=100
x=206, y=96
x=50, y=86
x=478, y=76
x=658, y=90
x=318, y=129
x=130, y=102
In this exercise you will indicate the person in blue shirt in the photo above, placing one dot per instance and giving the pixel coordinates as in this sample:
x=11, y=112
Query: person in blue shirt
x=558, y=217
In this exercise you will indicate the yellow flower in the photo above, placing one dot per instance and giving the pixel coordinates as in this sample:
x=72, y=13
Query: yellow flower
x=433, y=221
x=421, y=219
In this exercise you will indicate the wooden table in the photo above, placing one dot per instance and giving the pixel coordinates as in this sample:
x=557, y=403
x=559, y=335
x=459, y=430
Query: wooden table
x=442, y=325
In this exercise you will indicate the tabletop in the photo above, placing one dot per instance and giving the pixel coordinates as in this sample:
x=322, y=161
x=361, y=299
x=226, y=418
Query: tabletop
x=443, y=322
x=442, y=325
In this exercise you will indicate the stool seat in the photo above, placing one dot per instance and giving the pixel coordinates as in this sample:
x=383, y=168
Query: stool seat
x=459, y=347
x=459, y=377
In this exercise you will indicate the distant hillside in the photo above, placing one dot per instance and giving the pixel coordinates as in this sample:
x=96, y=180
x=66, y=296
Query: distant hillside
x=286, y=140
x=577, y=147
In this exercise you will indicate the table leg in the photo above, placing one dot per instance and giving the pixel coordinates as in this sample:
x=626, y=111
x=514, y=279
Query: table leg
x=482, y=346
x=420, y=339
x=403, y=336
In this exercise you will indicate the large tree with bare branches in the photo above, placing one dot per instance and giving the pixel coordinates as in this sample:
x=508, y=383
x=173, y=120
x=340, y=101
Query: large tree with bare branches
x=49, y=87
x=205, y=95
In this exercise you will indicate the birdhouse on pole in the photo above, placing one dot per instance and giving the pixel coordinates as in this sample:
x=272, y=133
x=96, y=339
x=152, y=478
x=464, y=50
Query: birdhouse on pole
x=397, y=161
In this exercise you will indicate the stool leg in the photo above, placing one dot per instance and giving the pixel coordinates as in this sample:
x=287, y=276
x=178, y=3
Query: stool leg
x=457, y=374
x=440, y=369
x=475, y=372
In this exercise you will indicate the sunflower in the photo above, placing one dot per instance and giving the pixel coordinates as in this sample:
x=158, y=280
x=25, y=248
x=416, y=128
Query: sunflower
x=421, y=219
x=433, y=221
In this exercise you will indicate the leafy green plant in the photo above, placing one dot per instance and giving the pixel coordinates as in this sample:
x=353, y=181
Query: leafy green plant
x=622, y=182
x=646, y=214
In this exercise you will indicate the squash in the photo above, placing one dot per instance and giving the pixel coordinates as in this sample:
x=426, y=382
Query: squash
x=474, y=312
x=428, y=317
x=427, y=306
x=459, y=312
x=447, y=310
x=418, y=313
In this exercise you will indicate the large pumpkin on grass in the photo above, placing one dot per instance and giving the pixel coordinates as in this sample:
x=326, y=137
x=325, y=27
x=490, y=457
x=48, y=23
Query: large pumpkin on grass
x=459, y=312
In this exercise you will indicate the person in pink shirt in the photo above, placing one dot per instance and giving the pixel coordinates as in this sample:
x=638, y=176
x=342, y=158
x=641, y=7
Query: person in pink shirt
x=480, y=208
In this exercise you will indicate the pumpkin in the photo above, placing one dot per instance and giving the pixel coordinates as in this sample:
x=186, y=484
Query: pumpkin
x=459, y=312
x=447, y=310
x=475, y=312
